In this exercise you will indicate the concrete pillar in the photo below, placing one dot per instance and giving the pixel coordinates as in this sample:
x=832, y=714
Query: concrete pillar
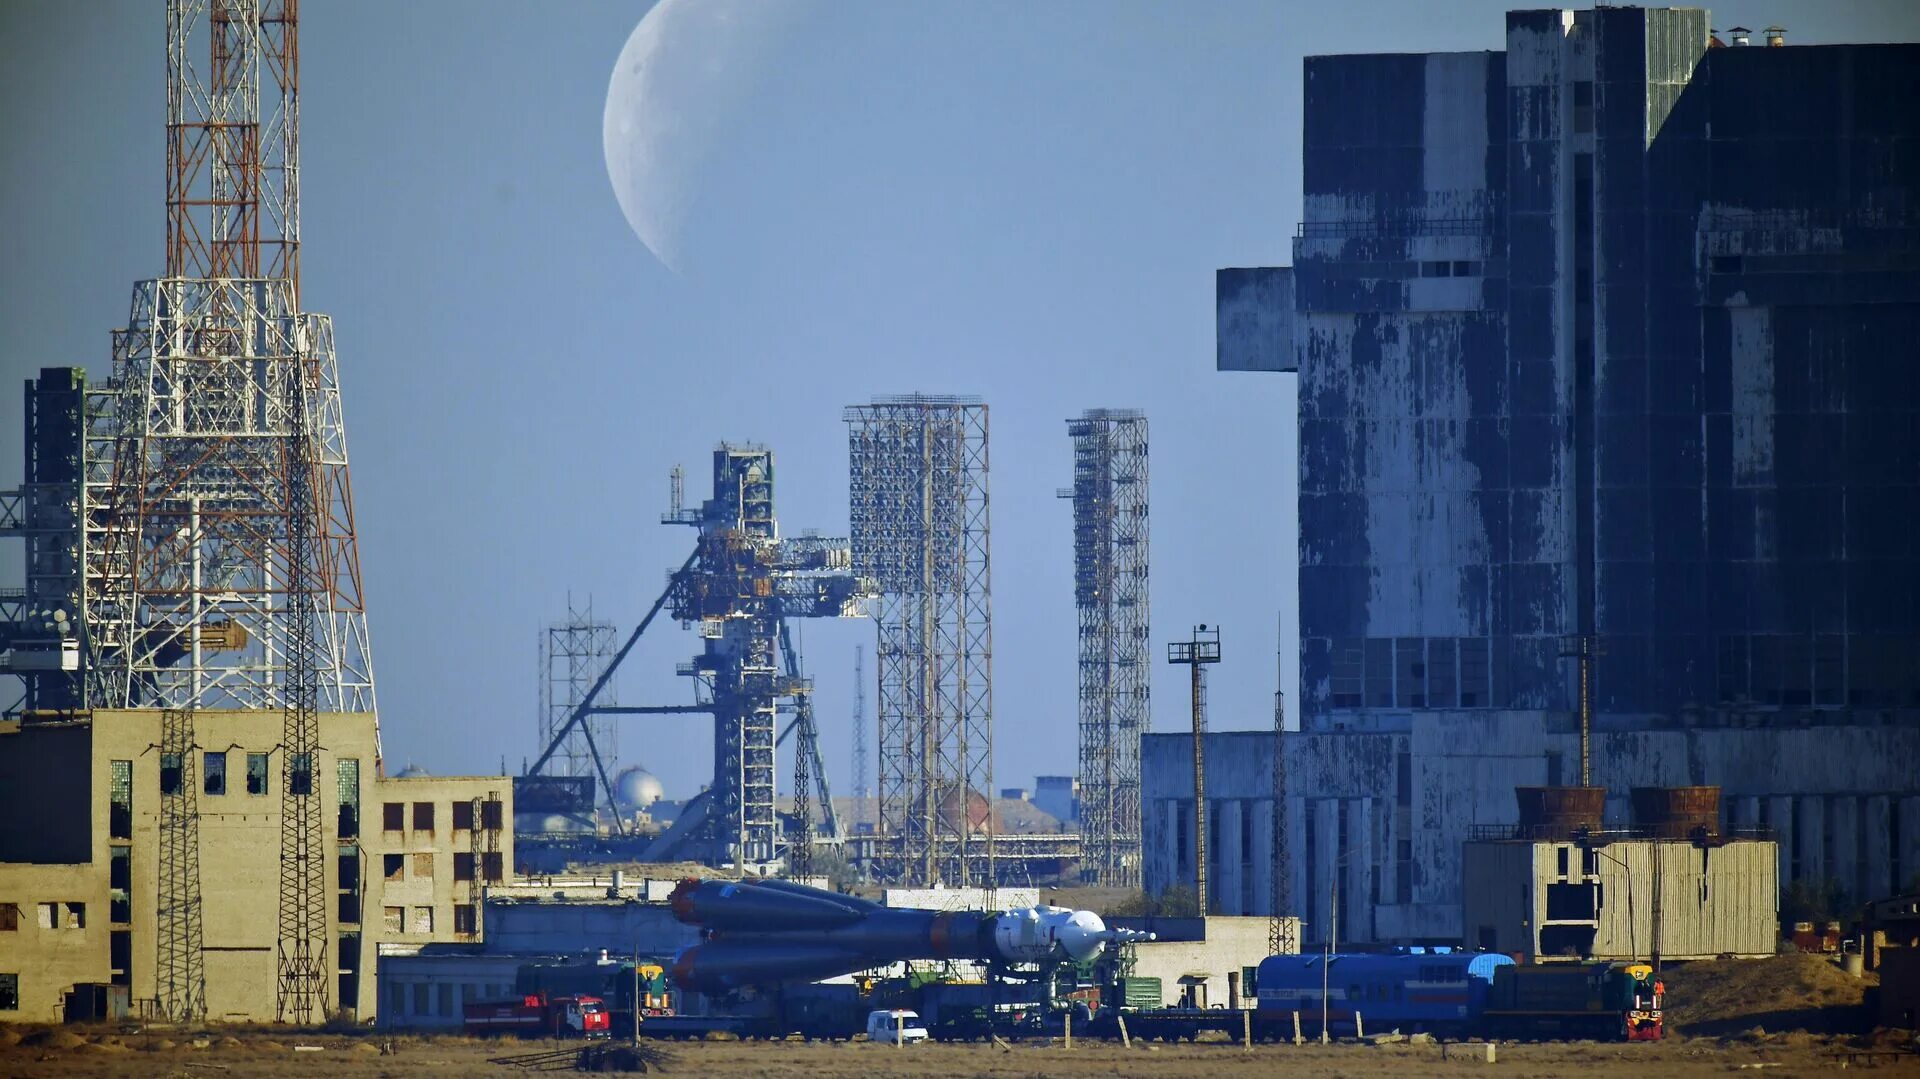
x=1909, y=852
x=1227, y=859
x=1879, y=858
x=1811, y=836
x=1843, y=861
x=1780, y=817
x=1356, y=908
x=1263, y=857
x=1326, y=827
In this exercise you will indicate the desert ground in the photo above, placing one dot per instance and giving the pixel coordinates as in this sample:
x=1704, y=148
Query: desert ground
x=1791, y=1016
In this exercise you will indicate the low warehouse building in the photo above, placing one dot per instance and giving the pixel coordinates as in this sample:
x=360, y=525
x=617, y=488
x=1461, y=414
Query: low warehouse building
x=1203, y=962
x=1670, y=887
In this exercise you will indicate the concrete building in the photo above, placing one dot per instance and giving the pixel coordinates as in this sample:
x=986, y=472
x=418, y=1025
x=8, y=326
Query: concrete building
x=80, y=858
x=1202, y=962
x=1627, y=898
x=1380, y=818
x=1603, y=337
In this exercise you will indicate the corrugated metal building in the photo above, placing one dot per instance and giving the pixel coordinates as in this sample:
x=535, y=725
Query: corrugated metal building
x=1609, y=335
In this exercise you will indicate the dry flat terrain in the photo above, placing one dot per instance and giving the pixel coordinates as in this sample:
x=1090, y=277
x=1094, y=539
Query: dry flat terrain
x=1789, y=1016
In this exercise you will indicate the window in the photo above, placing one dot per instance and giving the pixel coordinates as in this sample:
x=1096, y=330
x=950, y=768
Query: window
x=1562, y=853
x=76, y=915
x=349, y=908
x=9, y=992
x=446, y=999
x=462, y=867
x=422, y=920
x=9, y=917
x=120, y=810
x=393, y=919
x=462, y=816
x=347, y=778
x=393, y=816
x=492, y=866
x=1583, y=106
x=170, y=772
x=423, y=866
x=300, y=774
x=393, y=866
x=256, y=773
x=49, y=915
x=463, y=919
x=350, y=871
x=492, y=815
x=215, y=779
x=420, y=991
x=423, y=817
x=120, y=881
x=120, y=956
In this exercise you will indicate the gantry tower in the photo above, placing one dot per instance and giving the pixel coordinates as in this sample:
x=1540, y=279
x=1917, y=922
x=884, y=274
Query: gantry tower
x=918, y=503
x=1110, y=587
x=572, y=655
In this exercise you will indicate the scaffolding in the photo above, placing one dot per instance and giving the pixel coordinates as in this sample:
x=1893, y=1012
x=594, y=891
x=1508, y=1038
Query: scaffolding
x=572, y=655
x=862, y=785
x=1110, y=584
x=919, y=513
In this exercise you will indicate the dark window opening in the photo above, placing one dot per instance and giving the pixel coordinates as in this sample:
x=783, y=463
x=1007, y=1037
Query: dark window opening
x=350, y=871
x=120, y=956
x=493, y=866
x=170, y=773
x=256, y=773
x=1561, y=853
x=462, y=816
x=1583, y=107
x=493, y=815
x=300, y=774
x=1567, y=940
x=1486, y=938
x=1590, y=862
x=423, y=817
x=464, y=922
x=9, y=917
x=214, y=781
x=393, y=816
x=349, y=908
x=393, y=866
x=462, y=867
x=1726, y=264
x=1572, y=903
x=9, y=992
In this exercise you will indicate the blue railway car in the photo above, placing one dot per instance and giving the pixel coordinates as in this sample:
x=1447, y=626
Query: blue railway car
x=1441, y=992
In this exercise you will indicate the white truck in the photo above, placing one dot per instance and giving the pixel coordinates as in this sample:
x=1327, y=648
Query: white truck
x=896, y=1026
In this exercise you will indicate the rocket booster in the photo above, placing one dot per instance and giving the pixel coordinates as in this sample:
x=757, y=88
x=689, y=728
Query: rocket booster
x=772, y=931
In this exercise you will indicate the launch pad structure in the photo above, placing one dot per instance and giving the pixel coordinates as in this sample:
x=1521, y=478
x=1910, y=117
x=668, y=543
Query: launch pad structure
x=739, y=587
x=917, y=486
x=1110, y=592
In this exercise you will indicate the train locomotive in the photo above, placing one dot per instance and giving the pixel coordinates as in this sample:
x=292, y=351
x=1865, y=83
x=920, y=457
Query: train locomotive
x=1459, y=994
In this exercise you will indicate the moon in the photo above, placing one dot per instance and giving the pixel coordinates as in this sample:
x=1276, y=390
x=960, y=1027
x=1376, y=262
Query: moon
x=683, y=77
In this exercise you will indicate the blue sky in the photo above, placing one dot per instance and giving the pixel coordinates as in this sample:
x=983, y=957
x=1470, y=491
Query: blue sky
x=1023, y=202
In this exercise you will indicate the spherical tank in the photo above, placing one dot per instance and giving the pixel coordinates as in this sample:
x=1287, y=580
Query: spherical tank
x=637, y=788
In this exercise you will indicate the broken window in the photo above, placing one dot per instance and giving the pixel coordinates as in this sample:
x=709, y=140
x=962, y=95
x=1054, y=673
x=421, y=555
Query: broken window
x=120, y=956
x=349, y=908
x=214, y=779
x=300, y=774
x=9, y=992
x=120, y=883
x=256, y=773
x=350, y=870
x=394, y=866
x=492, y=815
x=9, y=917
x=76, y=915
x=347, y=777
x=422, y=920
x=393, y=919
x=463, y=919
x=423, y=817
x=492, y=867
x=462, y=816
x=49, y=915
x=170, y=773
x=462, y=867
x=423, y=866
x=393, y=816
x=120, y=808
x=1572, y=903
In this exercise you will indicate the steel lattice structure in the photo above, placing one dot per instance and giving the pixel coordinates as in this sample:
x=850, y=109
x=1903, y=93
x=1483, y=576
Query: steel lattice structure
x=190, y=559
x=920, y=524
x=572, y=655
x=862, y=785
x=1110, y=585
x=180, y=976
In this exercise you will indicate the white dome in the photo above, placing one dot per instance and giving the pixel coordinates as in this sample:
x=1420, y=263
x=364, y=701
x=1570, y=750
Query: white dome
x=637, y=788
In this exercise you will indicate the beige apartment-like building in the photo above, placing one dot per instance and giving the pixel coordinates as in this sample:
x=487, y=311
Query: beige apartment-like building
x=81, y=851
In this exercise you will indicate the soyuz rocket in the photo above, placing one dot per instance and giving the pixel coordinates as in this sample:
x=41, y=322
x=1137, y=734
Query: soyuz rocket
x=766, y=932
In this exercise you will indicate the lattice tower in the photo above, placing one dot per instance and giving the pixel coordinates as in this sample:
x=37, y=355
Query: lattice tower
x=180, y=975
x=919, y=509
x=573, y=653
x=1281, y=939
x=862, y=784
x=1110, y=586
x=191, y=563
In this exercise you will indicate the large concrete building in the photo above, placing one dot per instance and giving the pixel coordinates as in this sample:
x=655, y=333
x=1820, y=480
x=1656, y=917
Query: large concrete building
x=82, y=875
x=1604, y=340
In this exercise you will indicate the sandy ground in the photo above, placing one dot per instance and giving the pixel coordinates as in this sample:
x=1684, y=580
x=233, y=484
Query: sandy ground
x=158, y=1056
x=1795, y=1015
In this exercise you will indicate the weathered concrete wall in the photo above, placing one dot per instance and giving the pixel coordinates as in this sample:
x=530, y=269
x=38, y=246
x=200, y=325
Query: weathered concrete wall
x=1673, y=900
x=1207, y=966
x=1408, y=800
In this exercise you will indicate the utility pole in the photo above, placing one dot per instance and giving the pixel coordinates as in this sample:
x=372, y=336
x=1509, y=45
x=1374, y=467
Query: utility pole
x=1584, y=648
x=1280, y=932
x=1202, y=649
